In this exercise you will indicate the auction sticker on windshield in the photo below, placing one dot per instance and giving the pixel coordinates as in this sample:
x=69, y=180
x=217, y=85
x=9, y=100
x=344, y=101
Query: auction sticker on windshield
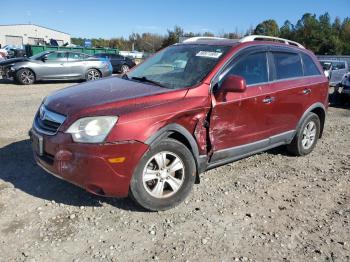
x=209, y=54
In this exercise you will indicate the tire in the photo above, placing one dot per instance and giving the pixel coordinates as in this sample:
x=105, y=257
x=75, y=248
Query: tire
x=306, y=137
x=159, y=189
x=124, y=69
x=25, y=76
x=92, y=74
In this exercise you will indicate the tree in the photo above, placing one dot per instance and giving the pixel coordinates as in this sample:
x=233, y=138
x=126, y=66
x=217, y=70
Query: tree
x=77, y=41
x=267, y=27
x=235, y=35
x=287, y=30
x=318, y=34
x=307, y=32
x=173, y=36
x=345, y=35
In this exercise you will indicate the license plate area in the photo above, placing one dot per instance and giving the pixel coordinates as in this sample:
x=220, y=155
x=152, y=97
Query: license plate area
x=37, y=143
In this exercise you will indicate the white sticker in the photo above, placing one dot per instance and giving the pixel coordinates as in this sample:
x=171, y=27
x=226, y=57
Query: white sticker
x=209, y=54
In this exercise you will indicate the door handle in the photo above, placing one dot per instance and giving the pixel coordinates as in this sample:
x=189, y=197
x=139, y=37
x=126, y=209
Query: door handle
x=62, y=64
x=268, y=100
x=306, y=91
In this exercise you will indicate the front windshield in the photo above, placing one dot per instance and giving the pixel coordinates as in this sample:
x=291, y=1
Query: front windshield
x=326, y=65
x=180, y=66
x=35, y=57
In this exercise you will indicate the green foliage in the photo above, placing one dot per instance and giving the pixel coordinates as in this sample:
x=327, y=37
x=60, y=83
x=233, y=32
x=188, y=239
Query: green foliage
x=173, y=36
x=318, y=34
x=267, y=27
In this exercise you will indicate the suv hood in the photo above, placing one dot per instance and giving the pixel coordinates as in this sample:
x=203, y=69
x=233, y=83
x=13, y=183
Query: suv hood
x=13, y=60
x=105, y=96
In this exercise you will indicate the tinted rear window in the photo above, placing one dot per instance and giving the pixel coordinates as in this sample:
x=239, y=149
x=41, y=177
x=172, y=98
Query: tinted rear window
x=288, y=65
x=310, y=69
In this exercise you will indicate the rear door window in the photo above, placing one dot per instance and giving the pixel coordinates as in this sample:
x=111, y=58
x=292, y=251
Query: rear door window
x=57, y=56
x=287, y=65
x=77, y=56
x=253, y=68
x=310, y=69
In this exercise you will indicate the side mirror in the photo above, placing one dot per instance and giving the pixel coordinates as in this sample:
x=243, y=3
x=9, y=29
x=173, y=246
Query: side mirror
x=44, y=58
x=233, y=83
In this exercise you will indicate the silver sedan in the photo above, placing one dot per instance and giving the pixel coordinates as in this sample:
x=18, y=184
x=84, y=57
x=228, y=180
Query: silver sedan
x=55, y=65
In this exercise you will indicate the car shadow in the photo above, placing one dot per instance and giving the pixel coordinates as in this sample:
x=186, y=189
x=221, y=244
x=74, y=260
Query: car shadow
x=6, y=81
x=19, y=168
x=280, y=150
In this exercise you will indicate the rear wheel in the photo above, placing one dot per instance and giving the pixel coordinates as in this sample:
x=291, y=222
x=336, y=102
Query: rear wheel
x=164, y=176
x=124, y=69
x=93, y=74
x=25, y=77
x=306, y=137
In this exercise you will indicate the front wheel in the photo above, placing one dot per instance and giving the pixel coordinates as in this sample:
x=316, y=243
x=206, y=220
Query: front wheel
x=25, y=77
x=92, y=74
x=306, y=137
x=164, y=176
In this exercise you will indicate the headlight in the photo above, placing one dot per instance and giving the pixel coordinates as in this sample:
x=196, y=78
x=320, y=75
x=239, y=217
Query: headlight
x=92, y=129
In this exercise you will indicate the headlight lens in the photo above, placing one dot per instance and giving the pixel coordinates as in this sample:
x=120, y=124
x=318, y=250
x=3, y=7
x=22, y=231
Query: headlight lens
x=92, y=129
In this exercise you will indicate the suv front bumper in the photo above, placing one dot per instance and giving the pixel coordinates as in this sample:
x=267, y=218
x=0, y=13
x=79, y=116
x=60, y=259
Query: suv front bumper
x=102, y=169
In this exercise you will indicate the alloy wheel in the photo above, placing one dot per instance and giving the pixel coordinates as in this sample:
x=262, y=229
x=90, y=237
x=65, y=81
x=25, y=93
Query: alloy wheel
x=27, y=77
x=93, y=75
x=125, y=69
x=163, y=175
x=309, y=135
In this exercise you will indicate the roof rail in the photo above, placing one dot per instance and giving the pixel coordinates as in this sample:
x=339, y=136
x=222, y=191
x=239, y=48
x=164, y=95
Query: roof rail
x=271, y=38
x=198, y=38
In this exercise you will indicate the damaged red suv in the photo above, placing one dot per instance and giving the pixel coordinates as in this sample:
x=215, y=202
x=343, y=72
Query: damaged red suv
x=189, y=108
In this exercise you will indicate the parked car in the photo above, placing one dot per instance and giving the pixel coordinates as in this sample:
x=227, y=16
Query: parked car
x=151, y=133
x=12, y=51
x=335, y=70
x=346, y=85
x=119, y=63
x=55, y=65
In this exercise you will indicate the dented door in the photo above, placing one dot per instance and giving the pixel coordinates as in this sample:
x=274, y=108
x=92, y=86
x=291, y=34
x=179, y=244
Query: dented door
x=241, y=119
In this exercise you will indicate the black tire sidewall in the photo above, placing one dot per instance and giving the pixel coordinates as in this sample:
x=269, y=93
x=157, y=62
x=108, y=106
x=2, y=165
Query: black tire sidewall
x=310, y=117
x=139, y=193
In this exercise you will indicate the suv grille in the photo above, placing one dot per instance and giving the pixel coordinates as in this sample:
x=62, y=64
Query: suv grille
x=48, y=122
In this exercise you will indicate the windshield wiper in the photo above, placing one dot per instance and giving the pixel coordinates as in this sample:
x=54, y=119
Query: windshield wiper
x=145, y=79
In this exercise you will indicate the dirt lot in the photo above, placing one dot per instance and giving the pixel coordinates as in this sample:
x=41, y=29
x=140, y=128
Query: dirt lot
x=269, y=206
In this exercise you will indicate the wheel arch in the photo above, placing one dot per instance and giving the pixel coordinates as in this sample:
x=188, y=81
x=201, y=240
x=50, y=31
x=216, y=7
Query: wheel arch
x=95, y=68
x=318, y=109
x=26, y=67
x=181, y=134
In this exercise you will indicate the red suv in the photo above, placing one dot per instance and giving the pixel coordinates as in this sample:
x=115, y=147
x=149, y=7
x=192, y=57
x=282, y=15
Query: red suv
x=189, y=108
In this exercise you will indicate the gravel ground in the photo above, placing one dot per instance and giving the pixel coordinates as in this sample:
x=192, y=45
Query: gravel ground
x=269, y=206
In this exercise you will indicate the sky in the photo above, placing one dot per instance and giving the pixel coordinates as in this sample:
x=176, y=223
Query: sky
x=108, y=18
